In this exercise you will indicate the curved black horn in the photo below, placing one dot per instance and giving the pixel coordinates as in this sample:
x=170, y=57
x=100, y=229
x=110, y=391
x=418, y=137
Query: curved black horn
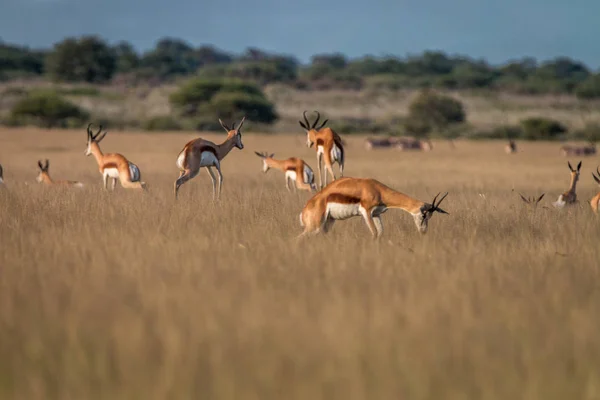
x=316, y=120
x=89, y=130
x=442, y=199
x=306, y=120
x=241, y=123
x=524, y=199
x=322, y=124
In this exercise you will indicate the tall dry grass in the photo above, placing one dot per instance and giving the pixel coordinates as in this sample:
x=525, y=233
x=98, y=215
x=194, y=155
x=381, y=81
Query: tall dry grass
x=128, y=295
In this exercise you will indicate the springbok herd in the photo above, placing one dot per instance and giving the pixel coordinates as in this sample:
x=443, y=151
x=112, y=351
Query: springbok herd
x=342, y=198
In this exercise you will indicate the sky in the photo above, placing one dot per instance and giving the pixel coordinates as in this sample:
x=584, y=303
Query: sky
x=497, y=31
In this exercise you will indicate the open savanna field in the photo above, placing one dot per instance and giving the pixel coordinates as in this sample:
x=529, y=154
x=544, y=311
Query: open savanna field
x=131, y=295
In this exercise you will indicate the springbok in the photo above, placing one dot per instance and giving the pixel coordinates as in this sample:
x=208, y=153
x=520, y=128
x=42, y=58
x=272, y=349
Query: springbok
x=113, y=165
x=44, y=177
x=511, y=147
x=198, y=153
x=410, y=143
x=295, y=170
x=595, y=201
x=329, y=147
x=569, y=197
x=532, y=201
x=380, y=143
x=585, y=150
x=349, y=197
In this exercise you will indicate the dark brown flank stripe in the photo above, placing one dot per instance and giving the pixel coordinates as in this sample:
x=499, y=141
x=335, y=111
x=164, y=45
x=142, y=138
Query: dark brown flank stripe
x=209, y=149
x=342, y=199
x=110, y=165
x=290, y=169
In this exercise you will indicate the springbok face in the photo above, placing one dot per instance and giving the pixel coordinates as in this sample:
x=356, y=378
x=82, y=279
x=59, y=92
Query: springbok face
x=311, y=130
x=574, y=172
x=264, y=157
x=43, y=171
x=426, y=212
x=93, y=138
x=234, y=133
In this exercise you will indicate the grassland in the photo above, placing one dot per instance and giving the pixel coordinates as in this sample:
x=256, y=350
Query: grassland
x=129, y=295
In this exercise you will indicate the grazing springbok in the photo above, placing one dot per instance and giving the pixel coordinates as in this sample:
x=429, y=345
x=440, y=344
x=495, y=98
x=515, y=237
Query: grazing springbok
x=329, y=147
x=595, y=201
x=295, y=170
x=532, y=201
x=44, y=177
x=410, y=143
x=585, y=150
x=198, y=153
x=349, y=197
x=569, y=197
x=113, y=165
x=511, y=147
x=380, y=143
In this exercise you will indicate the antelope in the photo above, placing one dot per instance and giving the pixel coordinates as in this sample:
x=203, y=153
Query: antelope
x=200, y=153
x=569, y=197
x=377, y=143
x=511, y=147
x=409, y=143
x=595, y=201
x=113, y=165
x=329, y=147
x=349, y=197
x=44, y=177
x=568, y=150
x=295, y=169
x=532, y=201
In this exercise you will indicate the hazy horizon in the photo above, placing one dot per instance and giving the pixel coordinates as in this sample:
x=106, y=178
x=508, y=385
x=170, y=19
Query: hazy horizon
x=495, y=32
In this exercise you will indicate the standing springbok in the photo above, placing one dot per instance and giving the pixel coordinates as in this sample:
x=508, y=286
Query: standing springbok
x=349, y=197
x=511, y=147
x=595, y=201
x=200, y=153
x=584, y=150
x=113, y=165
x=569, y=197
x=44, y=177
x=329, y=147
x=295, y=170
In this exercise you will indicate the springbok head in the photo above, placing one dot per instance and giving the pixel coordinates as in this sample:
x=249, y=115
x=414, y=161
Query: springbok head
x=93, y=139
x=426, y=212
x=532, y=201
x=234, y=132
x=264, y=157
x=43, y=171
x=311, y=129
x=574, y=172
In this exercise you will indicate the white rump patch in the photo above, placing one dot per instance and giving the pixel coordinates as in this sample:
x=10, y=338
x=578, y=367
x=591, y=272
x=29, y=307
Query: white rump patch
x=336, y=154
x=343, y=211
x=208, y=159
x=134, y=172
x=181, y=160
x=560, y=203
x=78, y=185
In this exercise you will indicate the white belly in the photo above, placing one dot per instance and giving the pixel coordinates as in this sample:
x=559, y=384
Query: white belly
x=111, y=172
x=208, y=159
x=343, y=211
x=290, y=175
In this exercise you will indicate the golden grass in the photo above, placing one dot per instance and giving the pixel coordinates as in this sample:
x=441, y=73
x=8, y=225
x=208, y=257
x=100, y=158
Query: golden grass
x=128, y=295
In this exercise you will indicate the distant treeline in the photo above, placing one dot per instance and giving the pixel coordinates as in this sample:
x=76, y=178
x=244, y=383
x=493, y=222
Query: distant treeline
x=92, y=60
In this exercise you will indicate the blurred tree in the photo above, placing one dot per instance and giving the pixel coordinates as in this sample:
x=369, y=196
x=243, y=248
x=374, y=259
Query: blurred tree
x=430, y=111
x=86, y=59
x=127, y=58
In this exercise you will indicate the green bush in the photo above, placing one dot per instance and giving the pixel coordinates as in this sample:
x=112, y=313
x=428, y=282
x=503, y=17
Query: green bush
x=223, y=98
x=590, y=88
x=162, y=123
x=591, y=133
x=430, y=111
x=538, y=128
x=500, y=132
x=47, y=109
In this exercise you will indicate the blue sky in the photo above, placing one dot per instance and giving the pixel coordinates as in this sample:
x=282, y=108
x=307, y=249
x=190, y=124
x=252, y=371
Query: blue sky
x=497, y=31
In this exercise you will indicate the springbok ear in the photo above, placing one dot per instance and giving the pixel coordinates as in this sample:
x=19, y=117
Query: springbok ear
x=47, y=165
x=524, y=199
x=579, y=166
x=569, y=164
x=272, y=155
x=40, y=165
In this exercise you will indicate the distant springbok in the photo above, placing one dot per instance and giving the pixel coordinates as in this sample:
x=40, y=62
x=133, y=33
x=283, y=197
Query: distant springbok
x=511, y=147
x=409, y=143
x=295, y=170
x=569, y=197
x=44, y=177
x=113, y=165
x=595, y=201
x=532, y=201
x=380, y=143
x=198, y=153
x=585, y=150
